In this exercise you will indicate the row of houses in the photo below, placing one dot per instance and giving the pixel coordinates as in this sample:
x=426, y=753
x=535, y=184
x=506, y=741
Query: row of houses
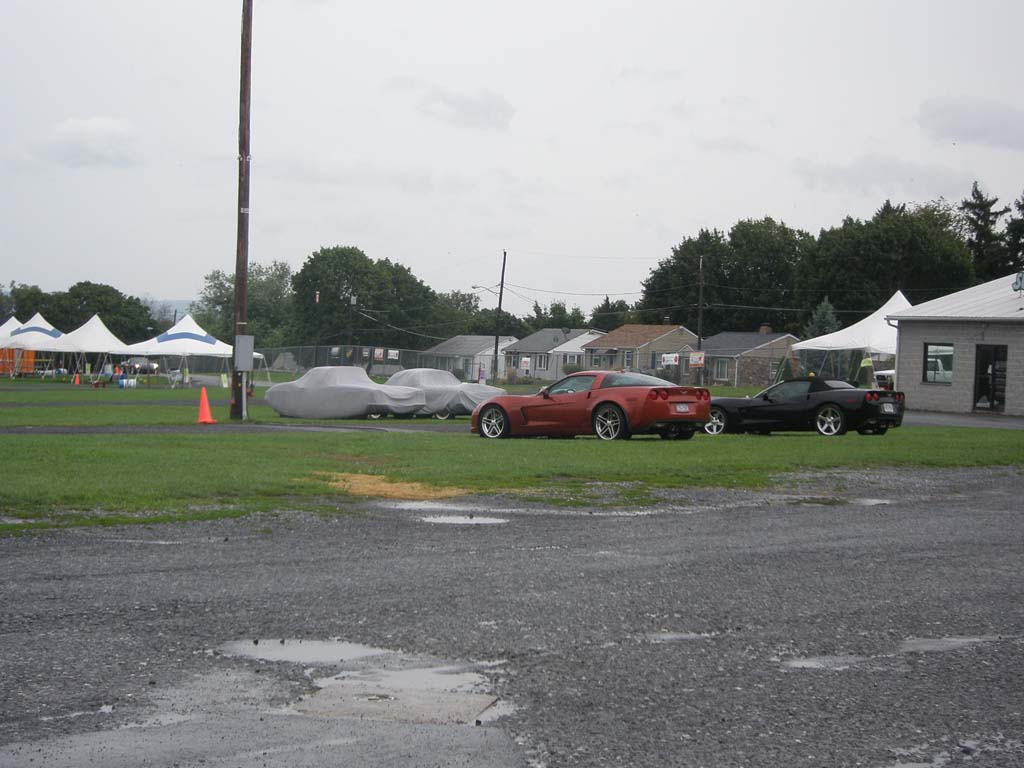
x=960, y=353
x=730, y=358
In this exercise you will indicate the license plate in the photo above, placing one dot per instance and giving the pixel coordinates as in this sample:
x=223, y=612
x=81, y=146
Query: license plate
x=888, y=408
x=682, y=408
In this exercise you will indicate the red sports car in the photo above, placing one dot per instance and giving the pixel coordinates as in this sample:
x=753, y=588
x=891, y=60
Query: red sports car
x=610, y=404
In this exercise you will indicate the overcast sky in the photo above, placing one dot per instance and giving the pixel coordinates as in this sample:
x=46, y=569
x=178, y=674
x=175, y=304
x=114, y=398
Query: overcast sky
x=585, y=138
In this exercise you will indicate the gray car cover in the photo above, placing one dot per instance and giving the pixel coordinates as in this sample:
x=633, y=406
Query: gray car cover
x=444, y=393
x=341, y=392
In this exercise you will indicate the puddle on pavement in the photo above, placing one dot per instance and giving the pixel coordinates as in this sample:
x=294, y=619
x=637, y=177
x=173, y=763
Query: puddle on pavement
x=445, y=695
x=380, y=684
x=438, y=506
x=463, y=520
x=673, y=637
x=300, y=651
x=870, y=502
x=832, y=663
x=940, y=644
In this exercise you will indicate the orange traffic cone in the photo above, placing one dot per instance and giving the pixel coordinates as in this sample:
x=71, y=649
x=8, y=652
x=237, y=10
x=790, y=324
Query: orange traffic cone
x=205, y=417
x=77, y=380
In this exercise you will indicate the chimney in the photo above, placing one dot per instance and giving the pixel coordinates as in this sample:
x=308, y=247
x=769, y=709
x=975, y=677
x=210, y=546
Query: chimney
x=765, y=328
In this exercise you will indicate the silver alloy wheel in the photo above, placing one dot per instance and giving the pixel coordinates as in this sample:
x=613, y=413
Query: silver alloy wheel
x=609, y=423
x=374, y=415
x=493, y=423
x=442, y=415
x=829, y=420
x=716, y=422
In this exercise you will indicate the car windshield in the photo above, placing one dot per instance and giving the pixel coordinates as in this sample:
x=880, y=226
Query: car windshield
x=572, y=384
x=633, y=380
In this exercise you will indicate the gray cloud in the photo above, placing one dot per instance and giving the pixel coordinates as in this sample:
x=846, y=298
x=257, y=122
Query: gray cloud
x=876, y=174
x=640, y=74
x=988, y=123
x=732, y=145
x=299, y=170
x=484, y=109
x=93, y=142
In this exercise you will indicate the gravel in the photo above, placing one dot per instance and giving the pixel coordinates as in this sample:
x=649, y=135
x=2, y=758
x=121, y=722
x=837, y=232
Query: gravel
x=717, y=627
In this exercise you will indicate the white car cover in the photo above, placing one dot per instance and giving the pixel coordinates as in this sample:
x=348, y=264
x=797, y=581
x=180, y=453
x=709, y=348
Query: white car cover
x=444, y=393
x=341, y=392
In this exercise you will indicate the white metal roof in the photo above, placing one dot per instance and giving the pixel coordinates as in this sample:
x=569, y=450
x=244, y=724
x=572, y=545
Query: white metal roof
x=574, y=346
x=995, y=300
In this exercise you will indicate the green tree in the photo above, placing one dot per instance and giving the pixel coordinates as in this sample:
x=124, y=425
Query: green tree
x=6, y=303
x=671, y=290
x=26, y=300
x=1015, y=237
x=127, y=317
x=859, y=264
x=485, y=323
x=560, y=317
x=269, y=306
x=823, y=321
x=760, y=279
x=987, y=245
x=609, y=315
x=362, y=301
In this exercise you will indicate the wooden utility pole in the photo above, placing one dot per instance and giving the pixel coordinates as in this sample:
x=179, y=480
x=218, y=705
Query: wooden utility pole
x=242, y=242
x=497, y=317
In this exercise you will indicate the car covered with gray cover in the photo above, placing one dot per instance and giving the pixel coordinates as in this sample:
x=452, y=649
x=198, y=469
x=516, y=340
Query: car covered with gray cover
x=445, y=394
x=342, y=392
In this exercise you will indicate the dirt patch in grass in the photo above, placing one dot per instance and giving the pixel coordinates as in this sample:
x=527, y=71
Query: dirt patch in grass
x=375, y=485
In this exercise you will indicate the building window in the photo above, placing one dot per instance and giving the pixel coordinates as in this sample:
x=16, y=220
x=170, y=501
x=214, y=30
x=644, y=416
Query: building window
x=627, y=358
x=572, y=359
x=542, y=362
x=938, y=364
x=721, y=368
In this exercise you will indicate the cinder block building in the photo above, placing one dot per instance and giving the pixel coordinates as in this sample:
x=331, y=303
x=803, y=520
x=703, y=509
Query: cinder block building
x=964, y=352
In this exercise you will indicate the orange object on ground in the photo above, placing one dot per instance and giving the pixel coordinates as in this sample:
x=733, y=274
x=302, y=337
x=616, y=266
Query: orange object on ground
x=77, y=380
x=205, y=417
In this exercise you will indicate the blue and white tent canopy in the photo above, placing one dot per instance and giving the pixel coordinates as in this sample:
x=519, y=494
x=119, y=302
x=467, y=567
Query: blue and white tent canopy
x=186, y=338
x=36, y=334
x=5, y=330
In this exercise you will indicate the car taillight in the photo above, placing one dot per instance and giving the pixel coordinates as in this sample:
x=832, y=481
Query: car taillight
x=899, y=397
x=652, y=394
x=663, y=394
x=871, y=396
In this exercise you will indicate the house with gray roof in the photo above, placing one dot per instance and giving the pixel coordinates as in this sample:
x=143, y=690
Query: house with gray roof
x=466, y=355
x=533, y=355
x=738, y=359
x=964, y=352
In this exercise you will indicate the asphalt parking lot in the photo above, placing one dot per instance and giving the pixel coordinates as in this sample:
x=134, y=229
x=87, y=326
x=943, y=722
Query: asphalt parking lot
x=843, y=619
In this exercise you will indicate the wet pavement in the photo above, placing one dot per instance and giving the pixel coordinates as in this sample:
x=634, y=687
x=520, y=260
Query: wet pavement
x=792, y=627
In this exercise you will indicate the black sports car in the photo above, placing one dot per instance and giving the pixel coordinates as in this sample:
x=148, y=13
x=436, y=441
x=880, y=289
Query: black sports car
x=830, y=407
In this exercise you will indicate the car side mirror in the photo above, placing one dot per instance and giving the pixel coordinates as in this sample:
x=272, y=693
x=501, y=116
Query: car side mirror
x=545, y=394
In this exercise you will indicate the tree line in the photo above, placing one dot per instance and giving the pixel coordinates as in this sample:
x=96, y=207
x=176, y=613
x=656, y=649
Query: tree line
x=759, y=271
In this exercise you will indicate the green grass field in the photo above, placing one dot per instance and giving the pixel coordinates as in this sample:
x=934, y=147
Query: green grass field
x=146, y=476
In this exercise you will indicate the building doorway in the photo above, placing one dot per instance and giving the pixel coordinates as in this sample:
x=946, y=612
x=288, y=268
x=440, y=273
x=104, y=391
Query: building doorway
x=990, y=377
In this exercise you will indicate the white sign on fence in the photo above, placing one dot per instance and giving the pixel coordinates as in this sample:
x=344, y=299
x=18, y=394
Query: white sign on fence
x=696, y=359
x=669, y=358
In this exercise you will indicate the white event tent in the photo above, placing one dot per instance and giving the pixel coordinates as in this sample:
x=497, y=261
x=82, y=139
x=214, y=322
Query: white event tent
x=36, y=334
x=183, y=340
x=94, y=337
x=5, y=330
x=848, y=353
